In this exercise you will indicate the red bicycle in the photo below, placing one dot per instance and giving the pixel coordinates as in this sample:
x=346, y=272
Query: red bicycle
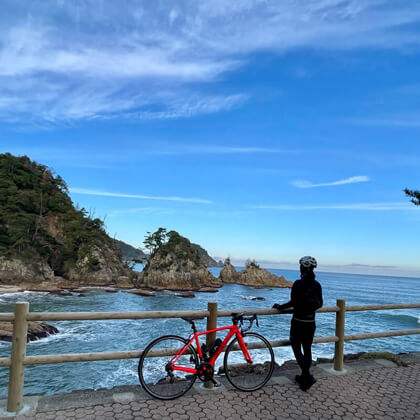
x=170, y=365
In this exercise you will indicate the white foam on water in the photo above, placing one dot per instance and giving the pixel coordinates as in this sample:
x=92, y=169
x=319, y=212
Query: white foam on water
x=126, y=374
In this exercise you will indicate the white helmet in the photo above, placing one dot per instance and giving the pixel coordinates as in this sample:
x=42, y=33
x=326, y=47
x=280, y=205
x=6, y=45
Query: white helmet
x=308, y=262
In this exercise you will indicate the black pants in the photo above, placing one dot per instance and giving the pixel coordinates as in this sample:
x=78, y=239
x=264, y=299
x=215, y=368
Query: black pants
x=301, y=337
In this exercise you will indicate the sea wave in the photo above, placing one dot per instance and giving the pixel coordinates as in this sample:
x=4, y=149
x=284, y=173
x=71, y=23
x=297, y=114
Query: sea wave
x=403, y=317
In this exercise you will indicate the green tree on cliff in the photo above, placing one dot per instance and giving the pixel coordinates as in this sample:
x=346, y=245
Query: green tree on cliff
x=414, y=194
x=155, y=240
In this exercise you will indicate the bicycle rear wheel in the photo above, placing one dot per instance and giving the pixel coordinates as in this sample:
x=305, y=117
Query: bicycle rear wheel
x=153, y=374
x=249, y=376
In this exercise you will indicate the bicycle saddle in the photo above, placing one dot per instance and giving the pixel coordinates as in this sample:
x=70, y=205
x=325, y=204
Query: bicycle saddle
x=237, y=317
x=192, y=318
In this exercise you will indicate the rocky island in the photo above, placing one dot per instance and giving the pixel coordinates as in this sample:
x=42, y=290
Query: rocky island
x=174, y=264
x=253, y=275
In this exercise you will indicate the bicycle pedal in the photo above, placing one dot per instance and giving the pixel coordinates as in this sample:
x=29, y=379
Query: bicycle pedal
x=215, y=383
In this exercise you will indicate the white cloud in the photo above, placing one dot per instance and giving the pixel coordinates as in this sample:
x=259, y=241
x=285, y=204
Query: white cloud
x=387, y=206
x=351, y=180
x=65, y=60
x=138, y=196
x=180, y=149
x=196, y=106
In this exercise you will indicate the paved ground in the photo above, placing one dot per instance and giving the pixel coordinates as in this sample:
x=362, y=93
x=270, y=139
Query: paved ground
x=370, y=389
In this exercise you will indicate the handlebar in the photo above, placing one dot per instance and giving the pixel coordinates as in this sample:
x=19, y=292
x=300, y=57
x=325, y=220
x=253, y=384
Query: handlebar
x=241, y=318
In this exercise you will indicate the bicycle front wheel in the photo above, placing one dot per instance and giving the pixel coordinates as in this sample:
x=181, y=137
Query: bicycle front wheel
x=156, y=379
x=249, y=376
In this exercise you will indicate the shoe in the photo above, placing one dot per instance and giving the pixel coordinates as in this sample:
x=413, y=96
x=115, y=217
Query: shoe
x=306, y=383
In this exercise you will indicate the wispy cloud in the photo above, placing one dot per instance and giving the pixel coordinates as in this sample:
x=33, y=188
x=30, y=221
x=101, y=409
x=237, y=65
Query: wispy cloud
x=138, y=196
x=195, y=106
x=409, y=120
x=182, y=149
x=387, y=206
x=143, y=210
x=351, y=180
x=65, y=61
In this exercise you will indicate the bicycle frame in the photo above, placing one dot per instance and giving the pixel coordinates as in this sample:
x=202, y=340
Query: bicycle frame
x=233, y=330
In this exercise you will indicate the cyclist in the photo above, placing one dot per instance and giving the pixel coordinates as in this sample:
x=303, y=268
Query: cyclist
x=306, y=298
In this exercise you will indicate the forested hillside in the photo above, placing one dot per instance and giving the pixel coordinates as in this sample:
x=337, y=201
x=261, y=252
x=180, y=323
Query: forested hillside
x=38, y=221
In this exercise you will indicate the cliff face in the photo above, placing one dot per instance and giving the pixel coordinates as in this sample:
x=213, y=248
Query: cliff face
x=43, y=236
x=229, y=273
x=176, y=265
x=100, y=266
x=14, y=271
x=253, y=276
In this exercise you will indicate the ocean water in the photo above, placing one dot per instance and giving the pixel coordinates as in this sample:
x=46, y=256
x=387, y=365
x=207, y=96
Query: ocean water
x=118, y=335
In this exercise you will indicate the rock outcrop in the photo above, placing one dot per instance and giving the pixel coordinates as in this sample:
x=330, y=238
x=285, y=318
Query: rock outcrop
x=15, y=271
x=36, y=330
x=176, y=265
x=100, y=267
x=254, y=276
x=229, y=273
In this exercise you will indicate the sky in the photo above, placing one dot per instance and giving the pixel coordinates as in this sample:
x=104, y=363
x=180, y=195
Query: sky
x=259, y=129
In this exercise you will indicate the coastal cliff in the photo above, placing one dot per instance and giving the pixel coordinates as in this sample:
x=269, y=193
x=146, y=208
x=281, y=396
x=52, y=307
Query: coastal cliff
x=253, y=275
x=44, y=238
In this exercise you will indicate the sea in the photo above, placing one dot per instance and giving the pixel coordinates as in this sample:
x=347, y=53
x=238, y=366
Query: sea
x=119, y=335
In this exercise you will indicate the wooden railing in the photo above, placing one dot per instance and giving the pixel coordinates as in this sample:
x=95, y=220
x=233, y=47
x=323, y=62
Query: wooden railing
x=21, y=316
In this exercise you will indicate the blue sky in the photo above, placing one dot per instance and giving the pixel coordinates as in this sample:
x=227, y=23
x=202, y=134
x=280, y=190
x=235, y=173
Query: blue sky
x=258, y=129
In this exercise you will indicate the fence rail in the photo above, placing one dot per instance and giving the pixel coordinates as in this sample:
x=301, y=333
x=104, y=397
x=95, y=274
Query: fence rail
x=21, y=316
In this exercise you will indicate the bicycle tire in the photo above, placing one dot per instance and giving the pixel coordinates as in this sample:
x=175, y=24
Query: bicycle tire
x=152, y=373
x=244, y=376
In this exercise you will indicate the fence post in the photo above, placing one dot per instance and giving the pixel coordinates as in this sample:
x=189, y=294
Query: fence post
x=20, y=331
x=211, y=324
x=339, y=332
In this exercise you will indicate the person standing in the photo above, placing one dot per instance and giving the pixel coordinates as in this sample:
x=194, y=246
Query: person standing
x=305, y=299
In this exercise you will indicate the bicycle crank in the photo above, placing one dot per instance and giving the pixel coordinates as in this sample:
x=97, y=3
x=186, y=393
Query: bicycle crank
x=205, y=372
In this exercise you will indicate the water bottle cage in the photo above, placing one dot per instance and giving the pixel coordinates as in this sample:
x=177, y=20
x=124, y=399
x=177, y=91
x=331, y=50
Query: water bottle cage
x=215, y=346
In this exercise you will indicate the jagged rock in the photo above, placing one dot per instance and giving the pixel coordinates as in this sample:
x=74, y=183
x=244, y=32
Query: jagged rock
x=15, y=271
x=100, y=267
x=142, y=292
x=61, y=292
x=111, y=290
x=186, y=294
x=176, y=266
x=254, y=276
x=79, y=290
x=36, y=330
x=81, y=295
x=124, y=282
x=229, y=273
x=208, y=290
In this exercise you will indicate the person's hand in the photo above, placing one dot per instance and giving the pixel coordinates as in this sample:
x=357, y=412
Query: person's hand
x=278, y=307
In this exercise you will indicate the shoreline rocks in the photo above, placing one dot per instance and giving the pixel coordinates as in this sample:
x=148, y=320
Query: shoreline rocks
x=186, y=294
x=141, y=292
x=36, y=331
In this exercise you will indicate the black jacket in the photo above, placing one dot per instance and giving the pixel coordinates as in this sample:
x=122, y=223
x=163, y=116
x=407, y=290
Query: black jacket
x=305, y=299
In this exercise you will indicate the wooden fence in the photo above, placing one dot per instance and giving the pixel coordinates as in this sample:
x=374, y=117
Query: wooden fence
x=21, y=316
